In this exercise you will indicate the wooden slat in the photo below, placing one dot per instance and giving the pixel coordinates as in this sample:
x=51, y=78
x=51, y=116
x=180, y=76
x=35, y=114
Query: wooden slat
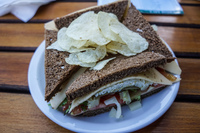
x=190, y=76
x=58, y=9
x=16, y=64
x=14, y=68
x=31, y=35
x=189, y=1
x=181, y=39
x=19, y=113
x=21, y=35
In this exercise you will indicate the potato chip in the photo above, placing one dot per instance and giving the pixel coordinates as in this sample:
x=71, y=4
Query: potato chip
x=73, y=60
x=135, y=42
x=85, y=27
x=55, y=46
x=66, y=42
x=120, y=48
x=75, y=50
x=104, y=22
x=91, y=36
x=112, y=15
x=111, y=51
x=101, y=64
x=90, y=44
x=101, y=52
x=90, y=56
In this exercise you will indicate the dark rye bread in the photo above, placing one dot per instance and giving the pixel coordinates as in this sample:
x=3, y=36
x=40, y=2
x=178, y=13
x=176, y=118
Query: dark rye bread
x=56, y=69
x=134, y=20
x=102, y=110
x=118, y=8
x=115, y=70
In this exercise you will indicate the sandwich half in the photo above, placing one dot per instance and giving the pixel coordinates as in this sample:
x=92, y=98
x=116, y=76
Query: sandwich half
x=123, y=80
x=57, y=70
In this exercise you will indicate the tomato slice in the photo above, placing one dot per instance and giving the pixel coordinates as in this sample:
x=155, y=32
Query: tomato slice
x=166, y=74
x=78, y=110
x=66, y=106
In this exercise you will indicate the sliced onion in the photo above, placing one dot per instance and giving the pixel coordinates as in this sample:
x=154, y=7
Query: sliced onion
x=113, y=100
x=93, y=102
x=135, y=105
x=113, y=112
x=124, y=95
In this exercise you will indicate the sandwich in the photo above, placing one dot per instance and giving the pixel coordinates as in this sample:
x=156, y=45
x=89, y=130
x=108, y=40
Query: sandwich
x=87, y=74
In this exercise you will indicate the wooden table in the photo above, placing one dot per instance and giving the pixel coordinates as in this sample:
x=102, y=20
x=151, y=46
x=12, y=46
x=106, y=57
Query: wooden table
x=18, y=41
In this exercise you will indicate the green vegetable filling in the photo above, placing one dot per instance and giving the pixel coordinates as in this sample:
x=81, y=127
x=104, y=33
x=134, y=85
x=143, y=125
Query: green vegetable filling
x=84, y=106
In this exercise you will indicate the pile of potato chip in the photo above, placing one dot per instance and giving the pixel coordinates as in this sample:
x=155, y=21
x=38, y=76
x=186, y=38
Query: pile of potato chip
x=91, y=36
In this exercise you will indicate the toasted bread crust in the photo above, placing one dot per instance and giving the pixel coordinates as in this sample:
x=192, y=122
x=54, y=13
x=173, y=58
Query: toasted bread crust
x=116, y=69
x=56, y=69
x=118, y=8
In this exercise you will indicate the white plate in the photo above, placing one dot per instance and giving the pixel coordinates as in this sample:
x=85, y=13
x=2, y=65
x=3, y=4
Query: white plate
x=152, y=107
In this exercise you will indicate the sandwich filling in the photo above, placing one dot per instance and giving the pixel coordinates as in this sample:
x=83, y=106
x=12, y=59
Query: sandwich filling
x=125, y=91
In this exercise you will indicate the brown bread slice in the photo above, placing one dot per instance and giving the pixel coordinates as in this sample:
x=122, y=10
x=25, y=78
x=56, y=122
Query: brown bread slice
x=56, y=69
x=55, y=75
x=134, y=20
x=118, y=8
x=115, y=70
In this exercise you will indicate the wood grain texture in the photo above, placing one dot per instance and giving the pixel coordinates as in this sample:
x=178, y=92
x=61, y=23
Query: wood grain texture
x=31, y=35
x=190, y=76
x=14, y=68
x=188, y=1
x=21, y=35
x=22, y=115
x=58, y=9
x=181, y=39
x=19, y=114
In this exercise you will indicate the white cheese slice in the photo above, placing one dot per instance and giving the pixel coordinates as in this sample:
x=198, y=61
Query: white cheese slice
x=60, y=96
x=172, y=67
x=50, y=26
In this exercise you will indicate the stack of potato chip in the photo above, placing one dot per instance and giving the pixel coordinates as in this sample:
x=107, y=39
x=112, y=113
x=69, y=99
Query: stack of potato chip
x=90, y=37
